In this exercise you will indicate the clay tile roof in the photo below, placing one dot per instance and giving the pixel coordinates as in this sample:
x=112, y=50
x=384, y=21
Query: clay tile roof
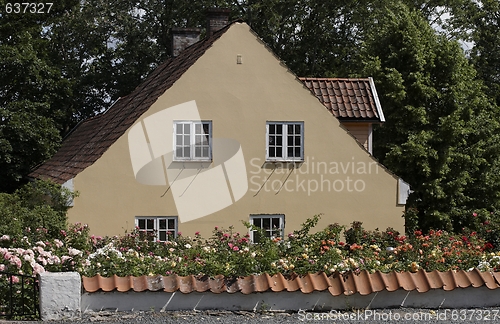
x=92, y=137
x=347, y=99
x=337, y=284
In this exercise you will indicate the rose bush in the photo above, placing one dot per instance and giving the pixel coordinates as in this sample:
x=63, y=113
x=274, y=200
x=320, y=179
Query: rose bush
x=232, y=254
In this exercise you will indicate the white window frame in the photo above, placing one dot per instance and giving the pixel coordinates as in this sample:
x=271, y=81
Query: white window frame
x=157, y=222
x=261, y=217
x=192, y=140
x=284, y=145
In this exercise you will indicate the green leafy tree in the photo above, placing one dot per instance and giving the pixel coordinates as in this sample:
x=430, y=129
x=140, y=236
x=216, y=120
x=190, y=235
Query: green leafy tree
x=36, y=209
x=28, y=87
x=485, y=54
x=476, y=24
x=442, y=132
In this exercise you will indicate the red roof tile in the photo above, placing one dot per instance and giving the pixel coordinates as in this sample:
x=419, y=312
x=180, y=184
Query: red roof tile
x=92, y=137
x=347, y=99
x=337, y=284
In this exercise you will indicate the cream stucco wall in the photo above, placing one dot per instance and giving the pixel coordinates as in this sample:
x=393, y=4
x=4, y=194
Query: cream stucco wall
x=239, y=99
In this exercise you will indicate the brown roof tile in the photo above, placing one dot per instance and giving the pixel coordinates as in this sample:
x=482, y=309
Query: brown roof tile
x=347, y=99
x=92, y=137
x=337, y=284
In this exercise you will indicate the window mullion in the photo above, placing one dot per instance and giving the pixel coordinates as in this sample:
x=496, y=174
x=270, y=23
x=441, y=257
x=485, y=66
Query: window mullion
x=192, y=140
x=157, y=228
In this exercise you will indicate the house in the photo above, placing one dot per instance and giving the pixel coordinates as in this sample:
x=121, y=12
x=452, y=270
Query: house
x=220, y=134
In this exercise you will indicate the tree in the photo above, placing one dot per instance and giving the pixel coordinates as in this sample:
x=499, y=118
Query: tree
x=442, y=132
x=476, y=23
x=105, y=49
x=485, y=55
x=28, y=87
x=314, y=38
x=36, y=205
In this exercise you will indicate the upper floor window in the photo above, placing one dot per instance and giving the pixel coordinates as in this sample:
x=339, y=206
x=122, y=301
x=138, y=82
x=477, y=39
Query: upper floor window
x=158, y=228
x=285, y=141
x=192, y=140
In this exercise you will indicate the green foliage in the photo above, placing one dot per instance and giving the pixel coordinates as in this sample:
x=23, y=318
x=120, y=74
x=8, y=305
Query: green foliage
x=36, y=211
x=477, y=24
x=441, y=133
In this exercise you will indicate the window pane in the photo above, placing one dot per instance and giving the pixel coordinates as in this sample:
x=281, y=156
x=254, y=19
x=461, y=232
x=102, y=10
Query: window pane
x=162, y=224
x=276, y=222
x=187, y=128
x=272, y=152
x=187, y=151
x=256, y=237
x=297, y=152
x=197, y=128
x=150, y=223
x=290, y=129
x=266, y=222
x=142, y=223
x=279, y=152
x=290, y=152
x=297, y=140
x=186, y=140
x=272, y=140
x=163, y=235
x=206, y=128
x=204, y=152
x=178, y=129
x=290, y=141
x=197, y=139
x=178, y=152
x=272, y=129
x=279, y=140
x=279, y=129
x=171, y=224
x=256, y=222
x=297, y=128
x=197, y=152
x=178, y=139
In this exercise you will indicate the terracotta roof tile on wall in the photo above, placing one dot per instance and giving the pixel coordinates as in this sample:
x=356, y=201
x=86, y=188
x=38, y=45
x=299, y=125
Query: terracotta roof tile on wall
x=94, y=136
x=347, y=99
x=363, y=283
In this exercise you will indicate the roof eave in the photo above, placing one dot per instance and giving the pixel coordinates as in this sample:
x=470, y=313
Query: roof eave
x=360, y=120
x=377, y=101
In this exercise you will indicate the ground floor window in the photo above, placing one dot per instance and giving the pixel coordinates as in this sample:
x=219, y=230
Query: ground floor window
x=272, y=226
x=159, y=228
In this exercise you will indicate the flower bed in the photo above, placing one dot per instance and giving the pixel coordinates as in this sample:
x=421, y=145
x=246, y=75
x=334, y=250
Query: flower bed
x=231, y=254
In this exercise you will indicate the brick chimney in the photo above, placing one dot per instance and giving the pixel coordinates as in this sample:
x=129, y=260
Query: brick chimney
x=182, y=38
x=217, y=18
